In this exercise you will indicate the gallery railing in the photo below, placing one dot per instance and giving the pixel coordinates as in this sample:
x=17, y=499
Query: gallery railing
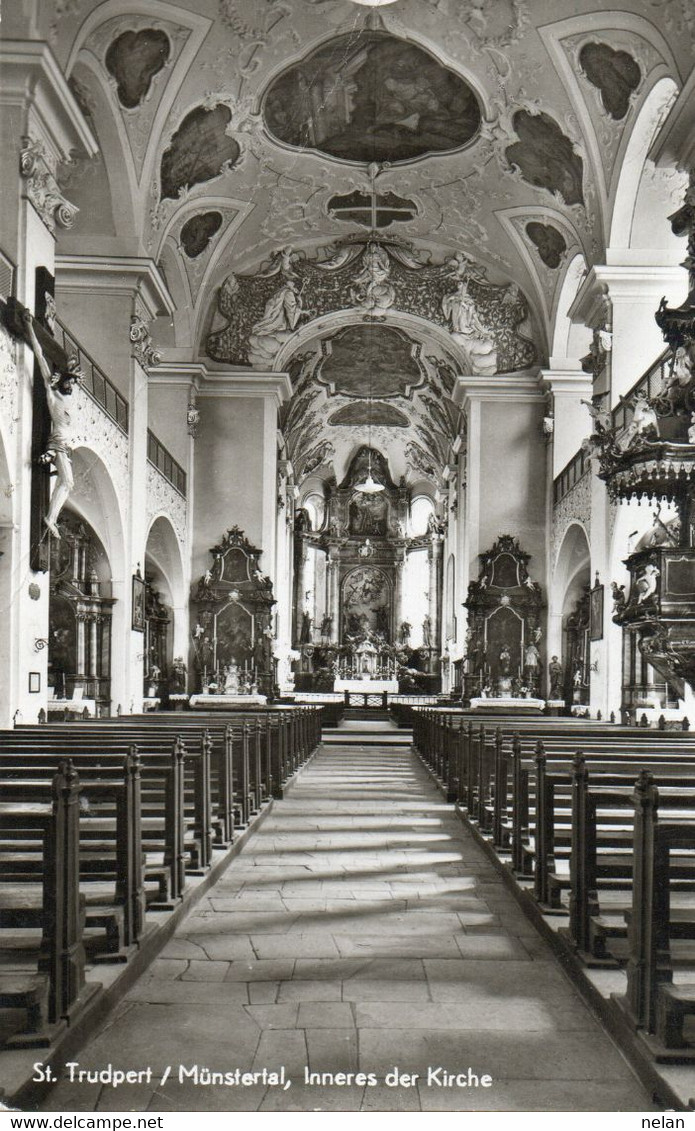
x=650, y=382
x=94, y=381
x=163, y=460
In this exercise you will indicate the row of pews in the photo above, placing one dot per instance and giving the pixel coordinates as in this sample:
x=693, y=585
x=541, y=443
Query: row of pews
x=103, y=821
x=597, y=824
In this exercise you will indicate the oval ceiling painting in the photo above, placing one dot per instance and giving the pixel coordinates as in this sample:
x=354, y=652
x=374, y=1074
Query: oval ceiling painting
x=371, y=97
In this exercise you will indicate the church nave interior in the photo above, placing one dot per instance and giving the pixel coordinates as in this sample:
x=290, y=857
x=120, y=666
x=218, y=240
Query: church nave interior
x=347, y=548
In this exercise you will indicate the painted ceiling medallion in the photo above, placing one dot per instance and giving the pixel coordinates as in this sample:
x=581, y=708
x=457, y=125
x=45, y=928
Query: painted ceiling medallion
x=199, y=150
x=370, y=96
x=133, y=59
x=614, y=73
x=369, y=360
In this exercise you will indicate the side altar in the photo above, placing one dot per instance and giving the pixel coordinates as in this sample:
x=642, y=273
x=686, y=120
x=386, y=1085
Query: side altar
x=232, y=632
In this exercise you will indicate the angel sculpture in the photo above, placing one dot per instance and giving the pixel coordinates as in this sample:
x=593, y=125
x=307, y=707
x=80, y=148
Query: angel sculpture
x=645, y=585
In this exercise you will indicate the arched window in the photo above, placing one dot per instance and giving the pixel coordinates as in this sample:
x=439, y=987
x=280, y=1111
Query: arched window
x=421, y=509
x=315, y=507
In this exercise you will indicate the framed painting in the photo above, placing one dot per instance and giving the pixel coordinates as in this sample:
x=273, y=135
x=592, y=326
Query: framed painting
x=596, y=613
x=138, y=606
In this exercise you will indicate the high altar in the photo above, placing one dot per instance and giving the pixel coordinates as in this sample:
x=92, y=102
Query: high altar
x=360, y=639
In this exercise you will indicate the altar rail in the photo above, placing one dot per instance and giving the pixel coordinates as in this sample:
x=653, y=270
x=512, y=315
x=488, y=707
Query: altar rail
x=392, y=699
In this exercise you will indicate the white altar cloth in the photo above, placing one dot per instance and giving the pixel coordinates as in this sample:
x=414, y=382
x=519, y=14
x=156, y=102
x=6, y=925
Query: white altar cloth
x=225, y=702
x=510, y=704
x=371, y=686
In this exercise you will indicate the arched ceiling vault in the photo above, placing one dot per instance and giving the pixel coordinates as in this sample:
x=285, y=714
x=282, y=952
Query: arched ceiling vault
x=231, y=129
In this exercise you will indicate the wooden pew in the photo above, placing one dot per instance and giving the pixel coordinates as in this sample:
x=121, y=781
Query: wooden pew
x=653, y=1002
x=162, y=776
x=110, y=856
x=55, y=990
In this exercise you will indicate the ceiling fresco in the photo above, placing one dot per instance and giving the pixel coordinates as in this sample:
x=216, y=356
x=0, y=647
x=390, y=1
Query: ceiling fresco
x=372, y=210
x=430, y=167
x=615, y=73
x=197, y=232
x=368, y=97
x=375, y=279
x=199, y=150
x=550, y=243
x=133, y=59
x=323, y=425
x=370, y=360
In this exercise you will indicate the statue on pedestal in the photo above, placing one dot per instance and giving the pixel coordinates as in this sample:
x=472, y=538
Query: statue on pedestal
x=555, y=678
x=231, y=678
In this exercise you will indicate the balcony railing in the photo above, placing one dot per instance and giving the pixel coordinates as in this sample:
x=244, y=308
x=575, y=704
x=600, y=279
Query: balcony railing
x=651, y=381
x=570, y=475
x=94, y=380
x=165, y=462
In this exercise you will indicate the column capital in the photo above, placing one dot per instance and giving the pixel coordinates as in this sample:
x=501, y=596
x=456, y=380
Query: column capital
x=130, y=276
x=625, y=283
x=521, y=386
x=567, y=383
x=245, y=383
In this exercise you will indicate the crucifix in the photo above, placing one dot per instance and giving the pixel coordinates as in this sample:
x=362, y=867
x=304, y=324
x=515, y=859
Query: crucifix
x=54, y=376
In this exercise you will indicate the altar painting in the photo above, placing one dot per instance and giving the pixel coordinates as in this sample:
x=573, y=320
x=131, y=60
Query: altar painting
x=366, y=604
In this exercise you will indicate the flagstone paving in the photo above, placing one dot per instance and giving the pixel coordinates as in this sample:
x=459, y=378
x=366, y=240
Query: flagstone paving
x=361, y=931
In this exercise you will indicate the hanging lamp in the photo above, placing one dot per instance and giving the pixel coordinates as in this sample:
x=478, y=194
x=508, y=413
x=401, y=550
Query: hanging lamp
x=370, y=486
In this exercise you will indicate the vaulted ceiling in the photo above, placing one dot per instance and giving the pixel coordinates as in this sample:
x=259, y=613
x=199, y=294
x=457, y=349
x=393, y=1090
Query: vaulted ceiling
x=231, y=129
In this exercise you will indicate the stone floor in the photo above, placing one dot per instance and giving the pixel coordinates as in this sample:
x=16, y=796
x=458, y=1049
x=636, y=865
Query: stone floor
x=361, y=930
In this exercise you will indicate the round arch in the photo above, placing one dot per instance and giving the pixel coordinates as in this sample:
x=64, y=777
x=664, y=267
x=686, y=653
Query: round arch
x=164, y=562
x=637, y=214
x=569, y=340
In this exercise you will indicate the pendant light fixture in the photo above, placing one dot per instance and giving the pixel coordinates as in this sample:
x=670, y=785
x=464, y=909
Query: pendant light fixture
x=370, y=486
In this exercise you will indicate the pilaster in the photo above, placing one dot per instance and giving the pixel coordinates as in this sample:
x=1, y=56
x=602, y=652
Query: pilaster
x=41, y=126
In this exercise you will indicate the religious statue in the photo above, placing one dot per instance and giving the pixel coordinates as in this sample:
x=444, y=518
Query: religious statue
x=59, y=387
x=468, y=331
x=676, y=382
x=645, y=585
x=427, y=632
x=305, y=631
x=372, y=290
x=404, y=633
x=532, y=659
x=177, y=676
x=644, y=421
x=555, y=678
x=231, y=678
x=619, y=598
x=505, y=660
x=327, y=627
x=281, y=316
x=691, y=429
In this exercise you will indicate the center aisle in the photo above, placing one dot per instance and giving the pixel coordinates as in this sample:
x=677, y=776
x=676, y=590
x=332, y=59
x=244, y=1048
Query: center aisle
x=360, y=930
